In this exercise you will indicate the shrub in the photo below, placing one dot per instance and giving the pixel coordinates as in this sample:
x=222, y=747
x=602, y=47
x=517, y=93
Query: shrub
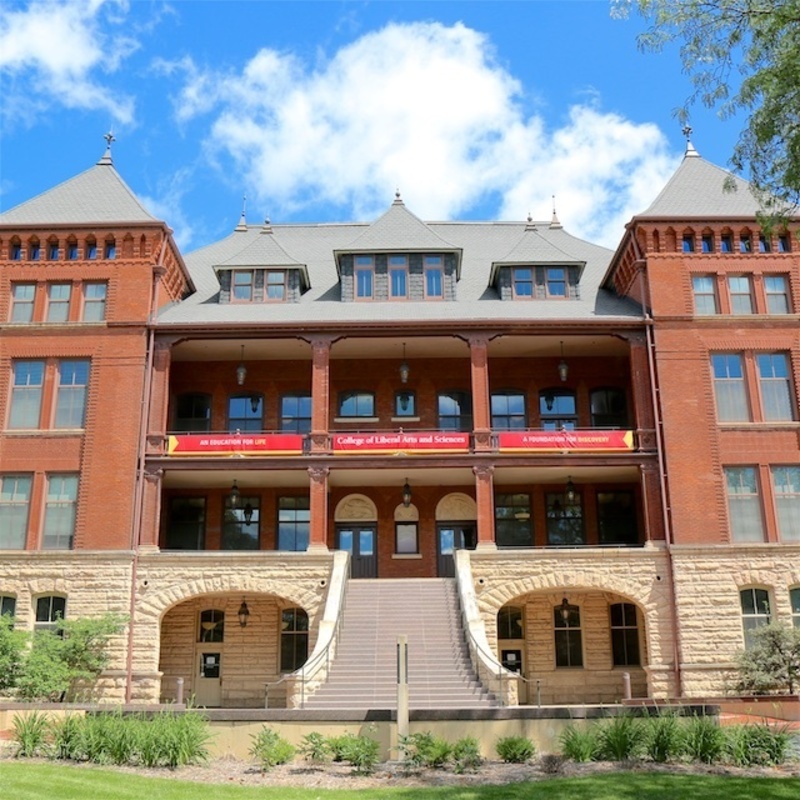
x=176, y=739
x=704, y=740
x=316, y=748
x=361, y=752
x=515, y=749
x=423, y=749
x=663, y=738
x=754, y=745
x=552, y=764
x=579, y=744
x=467, y=755
x=339, y=746
x=620, y=739
x=66, y=734
x=269, y=748
x=12, y=653
x=772, y=662
x=30, y=733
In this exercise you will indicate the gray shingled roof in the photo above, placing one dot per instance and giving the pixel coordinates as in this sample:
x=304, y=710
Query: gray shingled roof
x=698, y=189
x=482, y=244
x=96, y=196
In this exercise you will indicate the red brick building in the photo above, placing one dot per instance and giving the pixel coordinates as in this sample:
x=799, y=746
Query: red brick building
x=601, y=447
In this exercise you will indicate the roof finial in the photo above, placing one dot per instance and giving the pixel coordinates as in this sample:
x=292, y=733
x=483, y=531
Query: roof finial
x=398, y=201
x=106, y=159
x=686, y=130
x=554, y=223
x=530, y=226
x=242, y=226
x=267, y=225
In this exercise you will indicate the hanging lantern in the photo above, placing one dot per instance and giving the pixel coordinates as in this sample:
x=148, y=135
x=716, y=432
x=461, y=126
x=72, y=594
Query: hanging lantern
x=406, y=494
x=563, y=367
x=241, y=370
x=405, y=370
x=243, y=614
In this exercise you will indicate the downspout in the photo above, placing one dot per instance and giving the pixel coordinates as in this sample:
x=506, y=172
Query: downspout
x=662, y=470
x=138, y=491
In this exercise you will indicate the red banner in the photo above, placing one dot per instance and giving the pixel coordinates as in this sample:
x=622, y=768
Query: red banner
x=591, y=440
x=428, y=442
x=256, y=444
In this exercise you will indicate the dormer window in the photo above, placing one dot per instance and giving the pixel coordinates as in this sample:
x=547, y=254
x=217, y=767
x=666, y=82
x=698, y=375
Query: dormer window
x=522, y=280
x=275, y=286
x=364, y=275
x=556, y=282
x=398, y=277
x=242, y=285
x=434, y=273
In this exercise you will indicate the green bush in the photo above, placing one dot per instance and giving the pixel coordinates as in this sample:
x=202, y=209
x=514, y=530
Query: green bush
x=756, y=745
x=12, y=653
x=31, y=733
x=340, y=745
x=663, y=738
x=579, y=744
x=361, y=752
x=704, y=740
x=423, y=749
x=66, y=733
x=467, y=755
x=269, y=748
x=620, y=739
x=515, y=749
x=316, y=748
x=772, y=662
x=173, y=739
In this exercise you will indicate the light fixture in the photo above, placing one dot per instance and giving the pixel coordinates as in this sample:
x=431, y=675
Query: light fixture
x=563, y=367
x=570, y=493
x=405, y=370
x=406, y=494
x=255, y=402
x=549, y=401
x=405, y=399
x=248, y=513
x=564, y=609
x=235, y=495
x=241, y=370
x=243, y=614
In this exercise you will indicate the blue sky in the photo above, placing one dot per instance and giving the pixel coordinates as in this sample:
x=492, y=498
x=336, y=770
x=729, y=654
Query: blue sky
x=319, y=111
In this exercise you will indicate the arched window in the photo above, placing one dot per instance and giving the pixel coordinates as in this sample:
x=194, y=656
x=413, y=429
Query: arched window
x=193, y=412
x=508, y=410
x=568, y=637
x=50, y=608
x=34, y=249
x=608, y=408
x=294, y=639
x=52, y=249
x=212, y=626
x=246, y=412
x=110, y=248
x=15, y=249
x=72, y=249
x=558, y=409
x=509, y=623
x=625, y=635
x=8, y=605
x=90, y=248
x=755, y=612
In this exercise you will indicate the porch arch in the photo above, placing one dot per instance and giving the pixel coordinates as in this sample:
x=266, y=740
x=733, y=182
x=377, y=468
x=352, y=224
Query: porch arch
x=456, y=507
x=356, y=508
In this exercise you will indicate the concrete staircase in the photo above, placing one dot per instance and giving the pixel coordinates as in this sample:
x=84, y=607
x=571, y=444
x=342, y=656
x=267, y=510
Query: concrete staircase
x=364, y=672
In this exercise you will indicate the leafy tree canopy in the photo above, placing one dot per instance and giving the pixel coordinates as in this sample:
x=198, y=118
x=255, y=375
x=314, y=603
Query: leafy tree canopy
x=741, y=55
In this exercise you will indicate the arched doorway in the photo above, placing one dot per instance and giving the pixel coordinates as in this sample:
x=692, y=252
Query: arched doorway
x=356, y=518
x=456, y=529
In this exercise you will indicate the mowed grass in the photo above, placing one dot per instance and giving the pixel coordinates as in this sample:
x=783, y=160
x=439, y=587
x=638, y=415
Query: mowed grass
x=27, y=781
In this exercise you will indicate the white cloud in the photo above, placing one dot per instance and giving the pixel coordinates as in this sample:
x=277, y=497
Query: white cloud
x=52, y=50
x=426, y=108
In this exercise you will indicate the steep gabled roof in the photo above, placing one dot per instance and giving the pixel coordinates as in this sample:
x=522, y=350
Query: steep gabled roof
x=96, y=196
x=700, y=189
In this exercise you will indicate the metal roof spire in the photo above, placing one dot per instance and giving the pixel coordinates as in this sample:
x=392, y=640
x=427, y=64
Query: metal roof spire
x=242, y=226
x=690, y=151
x=398, y=201
x=554, y=223
x=531, y=226
x=106, y=160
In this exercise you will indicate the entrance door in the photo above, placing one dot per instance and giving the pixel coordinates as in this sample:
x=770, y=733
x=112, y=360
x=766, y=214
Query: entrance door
x=460, y=536
x=208, y=691
x=361, y=542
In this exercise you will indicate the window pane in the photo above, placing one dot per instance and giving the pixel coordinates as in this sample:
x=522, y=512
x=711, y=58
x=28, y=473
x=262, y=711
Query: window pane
x=609, y=408
x=455, y=411
x=294, y=519
x=405, y=404
x=741, y=297
x=242, y=285
x=15, y=495
x=406, y=533
x=755, y=612
x=186, y=525
x=786, y=481
x=729, y=388
x=50, y=608
x=364, y=282
x=558, y=409
x=508, y=411
x=357, y=404
x=240, y=525
x=59, y=515
x=777, y=294
x=556, y=282
x=523, y=282
x=564, y=520
x=616, y=518
x=705, y=295
x=22, y=302
x=26, y=394
x=276, y=285
x=246, y=412
x=773, y=372
x=296, y=413
x=744, y=505
x=193, y=413
x=94, y=302
x=212, y=626
x=512, y=524
x=73, y=378
x=624, y=635
x=58, y=302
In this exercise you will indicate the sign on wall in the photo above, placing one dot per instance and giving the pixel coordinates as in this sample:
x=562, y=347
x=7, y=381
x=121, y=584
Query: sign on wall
x=402, y=442
x=208, y=444
x=587, y=440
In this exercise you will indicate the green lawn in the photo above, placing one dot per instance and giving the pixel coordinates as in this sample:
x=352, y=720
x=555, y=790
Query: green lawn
x=25, y=781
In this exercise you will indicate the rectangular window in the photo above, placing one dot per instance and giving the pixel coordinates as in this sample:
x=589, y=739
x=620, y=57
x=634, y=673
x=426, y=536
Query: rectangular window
x=193, y=413
x=729, y=388
x=512, y=520
x=786, y=483
x=294, y=519
x=454, y=411
x=564, y=520
x=59, y=512
x=558, y=410
x=434, y=276
x=296, y=413
x=756, y=612
x=15, y=497
x=625, y=635
x=741, y=294
x=784, y=244
x=556, y=282
x=242, y=285
x=94, y=302
x=186, y=524
x=26, y=395
x=246, y=412
x=777, y=292
x=357, y=404
x=406, y=538
x=405, y=404
x=22, y=297
x=240, y=524
x=704, y=288
x=275, y=286
x=58, y=295
x=523, y=282
x=8, y=605
x=508, y=411
x=744, y=505
x=568, y=638
x=398, y=277
x=364, y=275
x=616, y=518
x=49, y=610
x=794, y=599
x=688, y=243
x=73, y=380
x=294, y=639
x=776, y=391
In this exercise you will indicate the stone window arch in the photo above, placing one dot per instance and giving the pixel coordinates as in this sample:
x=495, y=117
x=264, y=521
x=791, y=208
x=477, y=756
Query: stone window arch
x=456, y=507
x=211, y=625
x=356, y=508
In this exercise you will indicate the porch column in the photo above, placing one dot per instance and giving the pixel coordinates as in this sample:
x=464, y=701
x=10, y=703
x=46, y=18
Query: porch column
x=651, y=504
x=318, y=504
x=640, y=387
x=159, y=389
x=151, y=510
x=479, y=372
x=484, y=497
x=320, y=394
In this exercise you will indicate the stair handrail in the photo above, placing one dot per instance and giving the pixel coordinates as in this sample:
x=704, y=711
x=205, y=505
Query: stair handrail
x=480, y=652
x=329, y=629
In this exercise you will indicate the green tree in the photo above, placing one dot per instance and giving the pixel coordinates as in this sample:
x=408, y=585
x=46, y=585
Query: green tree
x=741, y=55
x=772, y=662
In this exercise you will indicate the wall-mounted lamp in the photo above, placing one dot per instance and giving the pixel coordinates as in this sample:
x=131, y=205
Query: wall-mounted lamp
x=406, y=494
x=563, y=367
x=235, y=495
x=405, y=370
x=243, y=614
x=564, y=610
x=570, y=492
x=241, y=370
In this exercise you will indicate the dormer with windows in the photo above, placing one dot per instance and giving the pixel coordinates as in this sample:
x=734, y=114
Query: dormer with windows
x=262, y=272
